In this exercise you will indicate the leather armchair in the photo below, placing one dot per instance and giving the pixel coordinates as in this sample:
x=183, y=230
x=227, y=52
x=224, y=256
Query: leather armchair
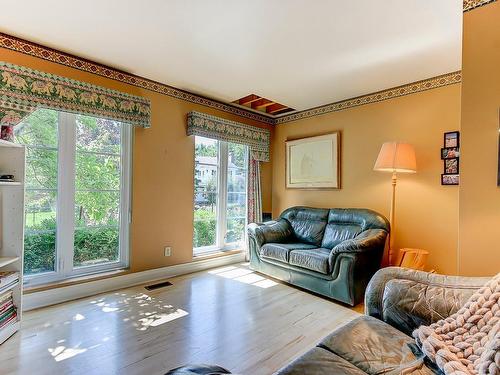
x=407, y=299
x=397, y=301
x=333, y=252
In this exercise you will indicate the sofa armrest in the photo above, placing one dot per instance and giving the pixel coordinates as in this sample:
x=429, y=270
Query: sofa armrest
x=366, y=240
x=272, y=231
x=407, y=298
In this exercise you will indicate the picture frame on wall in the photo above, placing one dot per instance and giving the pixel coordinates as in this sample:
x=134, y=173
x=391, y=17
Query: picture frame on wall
x=450, y=179
x=313, y=162
x=452, y=139
x=450, y=153
x=451, y=166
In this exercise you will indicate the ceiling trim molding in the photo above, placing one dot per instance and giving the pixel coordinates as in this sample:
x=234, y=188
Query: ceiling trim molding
x=473, y=4
x=395, y=92
x=47, y=53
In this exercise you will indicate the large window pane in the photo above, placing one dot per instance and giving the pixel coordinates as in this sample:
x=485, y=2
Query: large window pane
x=97, y=191
x=80, y=160
x=39, y=132
x=206, y=192
x=236, y=207
x=220, y=195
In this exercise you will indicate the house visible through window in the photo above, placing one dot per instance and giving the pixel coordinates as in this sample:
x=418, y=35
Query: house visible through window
x=220, y=195
x=77, y=194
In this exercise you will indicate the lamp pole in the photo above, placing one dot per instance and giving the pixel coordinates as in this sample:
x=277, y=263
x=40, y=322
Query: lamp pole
x=392, y=218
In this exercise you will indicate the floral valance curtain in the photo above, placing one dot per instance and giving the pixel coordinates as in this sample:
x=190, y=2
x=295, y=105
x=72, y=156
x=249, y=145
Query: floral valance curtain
x=23, y=90
x=257, y=139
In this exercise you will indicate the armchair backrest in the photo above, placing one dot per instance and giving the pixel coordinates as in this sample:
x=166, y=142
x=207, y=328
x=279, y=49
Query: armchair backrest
x=328, y=227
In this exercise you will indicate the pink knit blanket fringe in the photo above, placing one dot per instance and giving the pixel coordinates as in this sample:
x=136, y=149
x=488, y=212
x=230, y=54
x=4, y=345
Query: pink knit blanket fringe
x=467, y=342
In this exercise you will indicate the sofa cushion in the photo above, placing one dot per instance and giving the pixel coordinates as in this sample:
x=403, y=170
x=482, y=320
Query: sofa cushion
x=319, y=361
x=280, y=251
x=346, y=223
x=314, y=259
x=337, y=233
x=308, y=223
x=376, y=348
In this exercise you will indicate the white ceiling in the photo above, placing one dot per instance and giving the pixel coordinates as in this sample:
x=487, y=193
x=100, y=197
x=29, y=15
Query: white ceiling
x=300, y=53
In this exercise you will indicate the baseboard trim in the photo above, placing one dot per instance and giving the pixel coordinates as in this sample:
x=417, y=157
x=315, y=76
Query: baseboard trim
x=68, y=293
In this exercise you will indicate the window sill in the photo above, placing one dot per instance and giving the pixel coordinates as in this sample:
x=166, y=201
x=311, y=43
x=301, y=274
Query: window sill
x=74, y=281
x=216, y=254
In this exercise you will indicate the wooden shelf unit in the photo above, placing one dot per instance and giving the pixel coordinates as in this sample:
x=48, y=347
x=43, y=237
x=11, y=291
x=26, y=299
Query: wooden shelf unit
x=12, y=161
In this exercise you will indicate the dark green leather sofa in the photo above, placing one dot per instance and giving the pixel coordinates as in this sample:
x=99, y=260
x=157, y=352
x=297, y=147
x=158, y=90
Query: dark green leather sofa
x=333, y=252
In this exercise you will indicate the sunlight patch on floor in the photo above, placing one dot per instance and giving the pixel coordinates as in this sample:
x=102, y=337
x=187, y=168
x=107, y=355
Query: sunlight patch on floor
x=243, y=275
x=60, y=353
x=155, y=320
x=152, y=311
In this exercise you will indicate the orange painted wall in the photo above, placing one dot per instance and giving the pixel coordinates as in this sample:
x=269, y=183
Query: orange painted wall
x=163, y=167
x=479, y=250
x=427, y=213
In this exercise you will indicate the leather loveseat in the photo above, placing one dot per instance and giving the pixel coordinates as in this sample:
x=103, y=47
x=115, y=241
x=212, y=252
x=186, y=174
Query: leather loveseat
x=332, y=252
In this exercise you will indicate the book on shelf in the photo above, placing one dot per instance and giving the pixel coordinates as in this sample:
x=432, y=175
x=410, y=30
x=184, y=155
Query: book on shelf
x=5, y=297
x=6, y=305
x=7, y=279
x=8, y=311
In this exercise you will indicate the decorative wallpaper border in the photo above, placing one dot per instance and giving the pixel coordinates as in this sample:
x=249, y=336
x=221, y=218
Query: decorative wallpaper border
x=410, y=88
x=472, y=4
x=22, y=88
x=46, y=53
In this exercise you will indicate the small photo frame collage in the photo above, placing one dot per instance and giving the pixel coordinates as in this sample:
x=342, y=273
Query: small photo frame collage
x=450, y=154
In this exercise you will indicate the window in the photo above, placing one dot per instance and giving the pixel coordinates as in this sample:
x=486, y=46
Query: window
x=77, y=194
x=220, y=195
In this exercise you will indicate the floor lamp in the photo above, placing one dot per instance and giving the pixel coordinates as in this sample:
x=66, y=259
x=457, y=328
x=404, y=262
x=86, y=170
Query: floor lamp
x=395, y=157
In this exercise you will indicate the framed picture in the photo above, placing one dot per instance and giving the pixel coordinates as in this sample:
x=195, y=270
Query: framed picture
x=450, y=179
x=450, y=153
x=452, y=139
x=314, y=162
x=451, y=166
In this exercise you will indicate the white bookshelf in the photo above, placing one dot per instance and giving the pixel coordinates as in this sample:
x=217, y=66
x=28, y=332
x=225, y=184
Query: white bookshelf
x=12, y=161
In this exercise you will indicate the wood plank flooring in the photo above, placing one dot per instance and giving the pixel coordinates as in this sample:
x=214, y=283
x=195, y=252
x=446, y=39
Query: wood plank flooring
x=229, y=316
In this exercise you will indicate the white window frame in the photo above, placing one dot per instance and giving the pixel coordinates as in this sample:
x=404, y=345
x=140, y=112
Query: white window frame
x=221, y=204
x=65, y=212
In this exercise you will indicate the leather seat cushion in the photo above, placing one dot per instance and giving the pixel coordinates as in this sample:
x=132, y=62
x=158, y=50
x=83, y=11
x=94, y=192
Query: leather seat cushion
x=280, y=251
x=314, y=259
x=319, y=361
x=376, y=348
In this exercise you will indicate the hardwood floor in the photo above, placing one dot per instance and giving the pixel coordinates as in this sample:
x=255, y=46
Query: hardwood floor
x=228, y=316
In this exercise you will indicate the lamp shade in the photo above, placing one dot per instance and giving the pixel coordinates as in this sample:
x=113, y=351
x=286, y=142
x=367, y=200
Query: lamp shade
x=396, y=157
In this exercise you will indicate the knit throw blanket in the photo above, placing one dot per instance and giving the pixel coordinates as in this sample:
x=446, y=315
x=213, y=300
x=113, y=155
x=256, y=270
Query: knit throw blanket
x=467, y=342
